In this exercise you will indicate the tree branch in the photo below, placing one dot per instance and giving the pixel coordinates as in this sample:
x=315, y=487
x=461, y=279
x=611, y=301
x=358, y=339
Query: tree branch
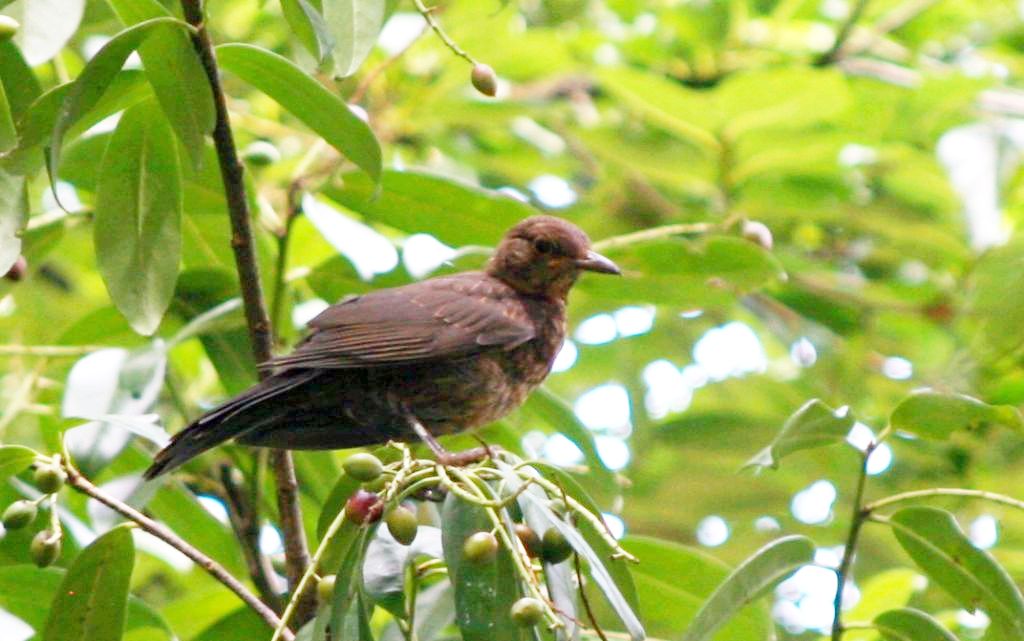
x=857, y=522
x=838, y=48
x=244, y=520
x=296, y=552
x=217, y=571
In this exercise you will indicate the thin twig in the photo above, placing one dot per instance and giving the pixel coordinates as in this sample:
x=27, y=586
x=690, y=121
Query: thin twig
x=944, y=491
x=860, y=514
x=247, y=529
x=217, y=571
x=654, y=233
x=296, y=552
x=49, y=351
x=837, y=51
x=428, y=15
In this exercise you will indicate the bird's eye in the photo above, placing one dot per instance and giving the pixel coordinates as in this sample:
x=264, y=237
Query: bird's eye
x=544, y=246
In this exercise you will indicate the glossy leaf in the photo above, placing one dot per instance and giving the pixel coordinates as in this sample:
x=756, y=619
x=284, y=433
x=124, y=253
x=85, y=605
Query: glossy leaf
x=349, y=605
x=908, y=624
x=13, y=216
x=8, y=136
x=14, y=459
x=307, y=100
x=673, y=581
x=354, y=26
x=884, y=591
x=813, y=425
x=99, y=72
x=750, y=580
x=309, y=27
x=138, y=217
x=46, y=26
x=454, y=212
x=176, y=75
x=933, y=414
x=92, y=600
x=19, y=82
x=484, y=592
x=934, y=540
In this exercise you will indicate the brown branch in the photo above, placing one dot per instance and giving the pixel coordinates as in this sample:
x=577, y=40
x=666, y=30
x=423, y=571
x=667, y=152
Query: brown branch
x=217, y=571
x=296, y=552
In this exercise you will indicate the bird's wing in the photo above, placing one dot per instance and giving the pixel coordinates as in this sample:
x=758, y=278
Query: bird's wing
x=439, y=318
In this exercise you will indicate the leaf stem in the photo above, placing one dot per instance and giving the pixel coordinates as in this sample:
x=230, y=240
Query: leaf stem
x=78, y=481
x=260, y=333
x=860, y=514
x=944, y=491
x=428, y=15
x=654, y=233
x=839, y=46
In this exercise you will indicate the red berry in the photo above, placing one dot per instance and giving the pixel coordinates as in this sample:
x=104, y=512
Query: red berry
x=364, y=507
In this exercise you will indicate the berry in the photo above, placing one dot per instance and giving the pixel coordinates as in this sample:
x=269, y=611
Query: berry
x=363, y=467
x=363, y=507
x=555, y=548
x=49, y=479
x=19, y=269
x=45, y=548
x=261, y=153
x=484, y=80
x=527, y=612
x=529, y=539
x=480, y=548
x=757, y=232
x=402, y=525
x=325, y=589
x=19, y=514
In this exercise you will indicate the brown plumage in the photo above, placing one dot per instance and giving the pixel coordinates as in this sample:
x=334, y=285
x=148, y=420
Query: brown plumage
x=446, y=354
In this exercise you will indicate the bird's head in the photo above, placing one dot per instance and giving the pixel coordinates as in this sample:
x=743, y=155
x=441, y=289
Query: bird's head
x=545, y=255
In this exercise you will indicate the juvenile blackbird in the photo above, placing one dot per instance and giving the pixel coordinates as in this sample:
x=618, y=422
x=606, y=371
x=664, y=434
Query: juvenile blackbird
x=431, y=358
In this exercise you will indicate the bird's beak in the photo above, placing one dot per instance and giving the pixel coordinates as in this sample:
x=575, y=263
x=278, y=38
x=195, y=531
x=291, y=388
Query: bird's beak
x=595, y=262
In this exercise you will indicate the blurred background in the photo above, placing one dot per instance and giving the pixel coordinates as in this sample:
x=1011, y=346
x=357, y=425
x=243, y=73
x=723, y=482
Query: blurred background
x=848, y=175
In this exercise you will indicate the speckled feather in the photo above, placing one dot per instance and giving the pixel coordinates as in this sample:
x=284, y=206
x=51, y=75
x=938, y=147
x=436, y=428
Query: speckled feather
x=455, y=352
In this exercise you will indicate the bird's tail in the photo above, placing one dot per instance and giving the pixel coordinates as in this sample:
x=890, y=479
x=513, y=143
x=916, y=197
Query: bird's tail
x=230, y=420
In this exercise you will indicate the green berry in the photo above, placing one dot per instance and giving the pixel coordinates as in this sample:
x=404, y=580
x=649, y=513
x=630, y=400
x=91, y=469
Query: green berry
x=480, y=548
x=402, y=524
x=261, y=153
x=484, y=80
x=8, y=27
x=363, y=467
x=19, y=514
x=325, y=589
x=527, y=612
x=555, y=548
x=45, y=548
x=49, y=479
x=529, y=539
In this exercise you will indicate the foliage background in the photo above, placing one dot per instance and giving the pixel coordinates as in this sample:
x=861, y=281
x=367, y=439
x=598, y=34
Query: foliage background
x=888, y=172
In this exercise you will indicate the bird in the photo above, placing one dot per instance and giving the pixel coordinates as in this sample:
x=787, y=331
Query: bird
x=435, y=357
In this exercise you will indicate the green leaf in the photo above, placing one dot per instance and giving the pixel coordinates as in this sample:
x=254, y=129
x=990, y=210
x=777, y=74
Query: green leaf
x=753, y=577
x=13, y=216
x=93, y=597
x=99, y=72
x=933, y=414
x=14, y=459
x=350, y=618
x=484, y=592
x=309, y=27
x=687, y=113
x=674, y=580
x=554, y=411
x=934, y=540
x=8, y=136
x=881, y=592
x=457, y=213
x=46, y=26
x=354, y=26
x=176, y=75
x=815, y=424
x=908, y=624
x=307, y=100
x=618, y=589
x=19, y=82
x=24, y=587
x=138, y=217
x=241, y=625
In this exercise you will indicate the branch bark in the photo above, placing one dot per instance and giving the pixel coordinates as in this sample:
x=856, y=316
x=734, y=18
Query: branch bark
x=296, y=551
x=217, y=571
